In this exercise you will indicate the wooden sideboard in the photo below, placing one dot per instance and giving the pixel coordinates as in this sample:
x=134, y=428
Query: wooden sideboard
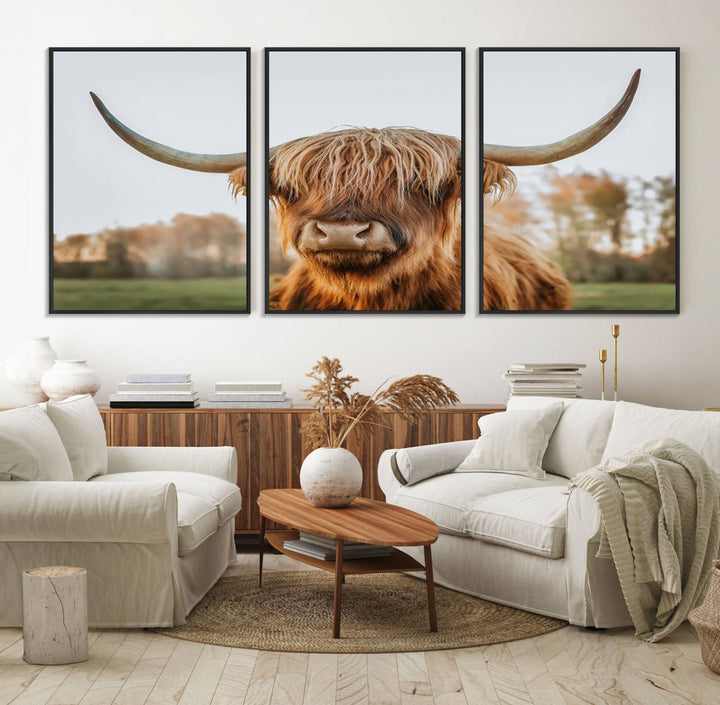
x=270, y=443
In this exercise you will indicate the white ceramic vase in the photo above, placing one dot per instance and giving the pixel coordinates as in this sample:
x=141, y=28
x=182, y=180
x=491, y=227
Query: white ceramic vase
x=66, y=378
x=331, y=477
x=25, y=366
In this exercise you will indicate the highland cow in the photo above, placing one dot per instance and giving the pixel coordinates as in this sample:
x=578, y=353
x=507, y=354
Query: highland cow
x=375, y=216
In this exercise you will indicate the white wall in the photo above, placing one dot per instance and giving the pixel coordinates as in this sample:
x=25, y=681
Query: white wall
x=667, y=360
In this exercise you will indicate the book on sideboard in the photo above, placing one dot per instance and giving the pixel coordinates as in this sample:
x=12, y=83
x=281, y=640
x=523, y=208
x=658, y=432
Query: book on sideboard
x=546, y=379
x=246, y=404
x=248, y=387
x=158, y=377
x=156, y=391
x=155, y=396
x=156, y=387
x=154, y=404
x=248, y=396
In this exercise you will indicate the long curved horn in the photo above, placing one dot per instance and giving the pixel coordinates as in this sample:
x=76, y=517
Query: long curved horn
x=215, y=163
x=579, y=142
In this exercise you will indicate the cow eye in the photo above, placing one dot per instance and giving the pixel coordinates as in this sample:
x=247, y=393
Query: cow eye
x=287, y=197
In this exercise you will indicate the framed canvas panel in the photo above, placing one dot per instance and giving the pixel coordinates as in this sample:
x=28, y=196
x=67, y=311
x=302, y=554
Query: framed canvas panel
x=364, y=180
x=580, y=180
x=142, y=145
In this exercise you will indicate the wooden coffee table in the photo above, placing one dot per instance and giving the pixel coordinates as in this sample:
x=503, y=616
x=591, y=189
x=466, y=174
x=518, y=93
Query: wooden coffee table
x=364, y=520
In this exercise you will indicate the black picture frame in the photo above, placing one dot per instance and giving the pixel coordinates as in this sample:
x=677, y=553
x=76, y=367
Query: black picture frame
x=227, y=293
x=269, y=52
x=570, y=54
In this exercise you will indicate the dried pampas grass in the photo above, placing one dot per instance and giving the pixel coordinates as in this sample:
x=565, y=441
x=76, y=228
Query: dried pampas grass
x=338, y=410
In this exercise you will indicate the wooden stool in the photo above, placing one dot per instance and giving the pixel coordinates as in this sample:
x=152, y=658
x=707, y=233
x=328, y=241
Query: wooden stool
x=55, y=615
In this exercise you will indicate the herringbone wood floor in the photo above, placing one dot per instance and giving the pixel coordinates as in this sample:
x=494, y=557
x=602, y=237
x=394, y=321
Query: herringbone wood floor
x=568, y=666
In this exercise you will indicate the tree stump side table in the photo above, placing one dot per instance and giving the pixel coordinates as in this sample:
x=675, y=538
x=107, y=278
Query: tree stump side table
x=55, y=625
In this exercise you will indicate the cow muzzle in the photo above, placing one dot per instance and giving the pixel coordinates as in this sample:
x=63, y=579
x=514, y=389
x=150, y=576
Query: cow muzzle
x=345, y=236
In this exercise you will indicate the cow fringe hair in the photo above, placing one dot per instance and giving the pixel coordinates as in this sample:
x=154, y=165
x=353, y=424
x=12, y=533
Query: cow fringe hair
x=498, y=180
x=371, y=162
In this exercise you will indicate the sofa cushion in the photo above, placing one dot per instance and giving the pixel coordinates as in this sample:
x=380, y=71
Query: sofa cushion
x=532, y=520
x=30, y=447
x=513, y=442
x=81, y=429
x=197, y=521
x=580, y=437
x=446, y=499
x=223, y=495
x=635, y=423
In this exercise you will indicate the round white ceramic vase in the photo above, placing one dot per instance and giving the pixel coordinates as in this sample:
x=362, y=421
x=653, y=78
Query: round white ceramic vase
x=26, y=365
x=331, y=477
x=66, y=378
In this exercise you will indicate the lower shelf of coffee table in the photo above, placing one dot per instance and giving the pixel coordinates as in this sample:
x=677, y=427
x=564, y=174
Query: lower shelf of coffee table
x=396, y=562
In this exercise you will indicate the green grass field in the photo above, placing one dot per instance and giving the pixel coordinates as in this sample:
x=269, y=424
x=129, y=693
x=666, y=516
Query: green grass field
x=624, y=296
x=219, y=294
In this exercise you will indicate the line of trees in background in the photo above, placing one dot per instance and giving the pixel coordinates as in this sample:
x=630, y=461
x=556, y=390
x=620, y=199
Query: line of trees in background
x=187, y=247
x=598, y=227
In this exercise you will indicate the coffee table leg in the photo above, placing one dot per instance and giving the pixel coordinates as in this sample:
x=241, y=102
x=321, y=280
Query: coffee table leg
x=430, y=588
x=337, y=598
x=261, y=548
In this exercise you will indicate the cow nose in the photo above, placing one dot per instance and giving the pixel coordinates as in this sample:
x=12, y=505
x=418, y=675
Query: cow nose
x=343, y=236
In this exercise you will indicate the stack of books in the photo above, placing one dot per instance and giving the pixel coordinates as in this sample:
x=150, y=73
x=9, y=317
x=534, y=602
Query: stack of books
x=247, y=395
x=155, y=391
x=544, y=379
x=323, y=548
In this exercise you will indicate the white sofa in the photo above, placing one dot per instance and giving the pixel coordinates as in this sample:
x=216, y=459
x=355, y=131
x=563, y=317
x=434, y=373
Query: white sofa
x=154, y=527
x=527, y=542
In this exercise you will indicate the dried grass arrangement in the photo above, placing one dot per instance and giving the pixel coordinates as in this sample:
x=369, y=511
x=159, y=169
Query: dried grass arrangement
x=338, y=410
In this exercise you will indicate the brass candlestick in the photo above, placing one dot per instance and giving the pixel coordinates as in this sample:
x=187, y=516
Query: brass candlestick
x=603, y=360
x=615, y=330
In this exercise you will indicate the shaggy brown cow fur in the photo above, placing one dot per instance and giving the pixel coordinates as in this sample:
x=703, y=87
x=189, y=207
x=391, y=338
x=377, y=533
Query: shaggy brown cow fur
x=516, y=275
x=407, y=183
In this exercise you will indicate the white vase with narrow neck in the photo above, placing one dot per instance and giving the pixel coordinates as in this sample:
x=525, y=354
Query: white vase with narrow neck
x=66, y=378
x=331, y=477
x=26, y=365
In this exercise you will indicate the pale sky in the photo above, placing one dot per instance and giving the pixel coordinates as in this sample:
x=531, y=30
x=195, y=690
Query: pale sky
x=542, y=96
x=315, y=91
x=191, y=100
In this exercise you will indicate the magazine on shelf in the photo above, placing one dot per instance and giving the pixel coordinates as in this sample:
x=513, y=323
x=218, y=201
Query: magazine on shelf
x=326, y=540
x=325, y=553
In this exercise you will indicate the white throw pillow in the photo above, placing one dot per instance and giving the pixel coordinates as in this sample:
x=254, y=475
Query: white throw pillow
x=634, y=424
x=81, y=429
x=579, y=439
x=513, y=442
x=30, y=447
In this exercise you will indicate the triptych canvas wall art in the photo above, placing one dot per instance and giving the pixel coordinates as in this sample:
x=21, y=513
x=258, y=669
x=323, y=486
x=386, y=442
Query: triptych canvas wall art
x=142, y=142
x=580, y=180
x=365, y=168
x=365, y=180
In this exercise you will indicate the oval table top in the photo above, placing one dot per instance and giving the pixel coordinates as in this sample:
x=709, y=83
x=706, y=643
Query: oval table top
x=364, y=520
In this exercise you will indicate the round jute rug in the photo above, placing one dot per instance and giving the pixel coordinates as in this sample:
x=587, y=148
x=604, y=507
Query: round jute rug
x=380, y=613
